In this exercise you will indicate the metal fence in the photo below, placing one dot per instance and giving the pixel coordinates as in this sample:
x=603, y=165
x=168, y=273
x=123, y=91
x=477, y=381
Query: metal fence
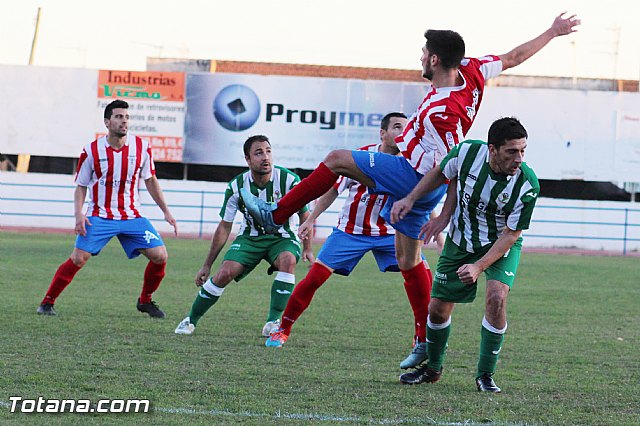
x=556, y=223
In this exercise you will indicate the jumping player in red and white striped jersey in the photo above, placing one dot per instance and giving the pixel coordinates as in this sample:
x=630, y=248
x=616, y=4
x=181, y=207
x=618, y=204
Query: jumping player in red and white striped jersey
x=446, y=113
x=360, y=229
x=444, y=117
x=111, y=168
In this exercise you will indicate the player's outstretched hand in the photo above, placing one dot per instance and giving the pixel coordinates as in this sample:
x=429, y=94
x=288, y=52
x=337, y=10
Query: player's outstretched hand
x=202, y=276
x=433, y=228
x=563, y=26
x=306, y=230
x=81, y=223
x=308, y=256
x=169, y=218
x=400, y=209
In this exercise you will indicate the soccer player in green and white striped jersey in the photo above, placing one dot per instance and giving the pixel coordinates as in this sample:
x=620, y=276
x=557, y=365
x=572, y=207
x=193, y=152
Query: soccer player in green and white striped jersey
x=493, y=193
x=252, y=244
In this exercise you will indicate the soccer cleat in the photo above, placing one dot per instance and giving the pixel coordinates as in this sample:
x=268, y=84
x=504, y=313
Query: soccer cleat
x=46, y=309
x=277, y=339
x=185, y=327
x=261, y=211
x=417, y=356
x=485, y=383
x=270, y=327
x=422, y=374
x=150, y=308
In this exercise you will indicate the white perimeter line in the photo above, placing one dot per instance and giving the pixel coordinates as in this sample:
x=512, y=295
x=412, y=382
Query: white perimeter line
x=316, y=417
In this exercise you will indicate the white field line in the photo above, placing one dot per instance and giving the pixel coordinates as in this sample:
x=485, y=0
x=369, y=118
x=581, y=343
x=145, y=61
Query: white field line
x=314, y=417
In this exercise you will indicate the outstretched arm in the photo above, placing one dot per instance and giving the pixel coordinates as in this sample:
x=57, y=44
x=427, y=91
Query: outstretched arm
x=322, y=204
x=153, y=186
x=561, y=26
x=307, y=250
x=78, y=203
x=430, y=181
x=436, y=224
x=219, y=239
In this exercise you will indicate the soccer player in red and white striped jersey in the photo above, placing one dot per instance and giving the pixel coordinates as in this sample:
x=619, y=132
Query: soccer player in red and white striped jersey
x=110, y=169
x=446, y=113
x=360, y=229
x=441, y=121
x=112, y=176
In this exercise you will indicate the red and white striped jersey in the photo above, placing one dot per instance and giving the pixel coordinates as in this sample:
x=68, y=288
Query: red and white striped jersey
x=113, y=176
x=446, y=114
x=361, y=211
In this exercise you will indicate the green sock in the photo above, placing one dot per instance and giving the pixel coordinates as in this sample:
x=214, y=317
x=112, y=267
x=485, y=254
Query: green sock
x=490, y=346
x=280, y=294
x=437, y=345
x=203, y=301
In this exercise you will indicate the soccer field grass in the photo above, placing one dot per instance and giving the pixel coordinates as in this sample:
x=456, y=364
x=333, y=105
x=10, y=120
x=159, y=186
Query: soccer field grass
x=571, y=355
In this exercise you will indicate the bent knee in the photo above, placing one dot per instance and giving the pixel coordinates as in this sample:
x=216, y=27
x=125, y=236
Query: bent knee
x=158, y=255
x=336, y=159
x=439, y=311
x=224, y=276
x=286, y=262
x=80, y=258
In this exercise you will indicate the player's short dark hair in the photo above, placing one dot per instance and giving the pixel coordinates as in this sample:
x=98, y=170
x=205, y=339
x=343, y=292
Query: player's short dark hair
x=447, y=44
x=384, y=124
x=505, y=129
x=253, y=139
x=118, y=103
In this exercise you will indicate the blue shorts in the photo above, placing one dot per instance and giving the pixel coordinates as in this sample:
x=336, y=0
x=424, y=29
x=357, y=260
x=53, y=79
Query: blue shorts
x=134, y=234
x=342, y=252
x=394, y=176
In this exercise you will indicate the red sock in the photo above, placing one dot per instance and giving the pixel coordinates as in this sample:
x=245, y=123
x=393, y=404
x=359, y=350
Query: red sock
x=418, y=287
x=153, y=275
x=60, y=281
x=302, y=295
x=317, y=183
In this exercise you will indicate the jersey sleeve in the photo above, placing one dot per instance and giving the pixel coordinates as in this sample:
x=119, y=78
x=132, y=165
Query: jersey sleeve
x=342, y=184
x=230, y=203
x=490, y=66
x=449, y=164
x=147, y=167
x=84, y=171
x=520, y=217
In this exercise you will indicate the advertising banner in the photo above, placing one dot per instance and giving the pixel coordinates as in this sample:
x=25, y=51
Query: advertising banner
x=156, y=107
x=303, y=117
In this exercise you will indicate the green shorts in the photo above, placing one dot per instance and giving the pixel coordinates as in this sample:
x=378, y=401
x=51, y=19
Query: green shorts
x=249, y=251
x=448, y=287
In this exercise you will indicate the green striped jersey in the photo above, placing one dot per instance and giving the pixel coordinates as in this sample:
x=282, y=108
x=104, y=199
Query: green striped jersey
x=487, y=202
x=281, y=182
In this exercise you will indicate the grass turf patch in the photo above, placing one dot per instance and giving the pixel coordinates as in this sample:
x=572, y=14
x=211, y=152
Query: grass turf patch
x=570, y=354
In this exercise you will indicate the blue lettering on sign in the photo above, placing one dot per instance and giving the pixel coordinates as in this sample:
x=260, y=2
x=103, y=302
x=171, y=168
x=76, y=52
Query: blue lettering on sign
x=327, y=120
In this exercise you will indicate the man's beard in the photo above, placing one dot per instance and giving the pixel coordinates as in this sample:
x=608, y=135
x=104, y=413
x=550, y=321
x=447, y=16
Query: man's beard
x=259, y=172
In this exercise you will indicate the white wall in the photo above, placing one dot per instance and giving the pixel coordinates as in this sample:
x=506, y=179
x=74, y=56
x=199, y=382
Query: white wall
x=573, y=134
x=47, y=111
x=45, y=201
